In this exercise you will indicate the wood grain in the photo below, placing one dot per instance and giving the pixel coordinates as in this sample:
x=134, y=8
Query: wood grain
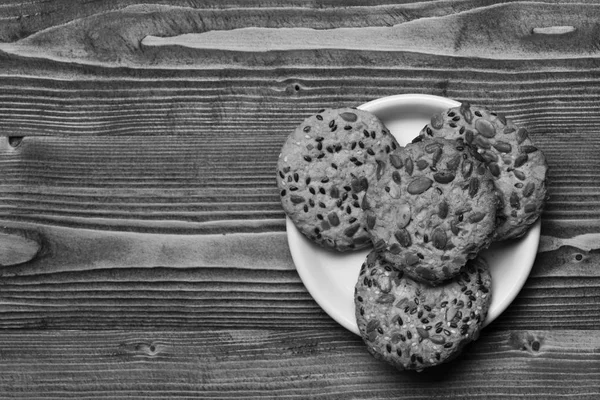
x=242, y=364
x=138, y=145
x=97, y=279
x=157, y=160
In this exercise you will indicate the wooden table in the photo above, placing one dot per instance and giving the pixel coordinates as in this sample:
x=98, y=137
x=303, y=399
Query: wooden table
x=143, y=244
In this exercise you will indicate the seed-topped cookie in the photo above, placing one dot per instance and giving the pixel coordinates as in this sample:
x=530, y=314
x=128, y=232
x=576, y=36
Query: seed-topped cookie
x=323, y=170
x=519, y=168
x=413, y=325
x=432, y=209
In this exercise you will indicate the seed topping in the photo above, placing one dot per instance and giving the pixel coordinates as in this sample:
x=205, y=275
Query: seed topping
x=437, y=121
x=443, y=177
x=419, y=185
x=348, y=116
x=485, y=128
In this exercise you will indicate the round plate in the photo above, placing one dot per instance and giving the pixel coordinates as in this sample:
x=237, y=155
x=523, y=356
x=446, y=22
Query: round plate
x=330, y=276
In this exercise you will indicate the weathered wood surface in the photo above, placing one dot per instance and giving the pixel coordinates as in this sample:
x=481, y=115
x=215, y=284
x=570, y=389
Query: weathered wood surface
x=298, y=364
x=138, y=205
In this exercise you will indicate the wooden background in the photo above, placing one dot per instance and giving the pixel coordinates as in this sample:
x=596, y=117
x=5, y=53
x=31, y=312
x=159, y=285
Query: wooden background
x=142, y=243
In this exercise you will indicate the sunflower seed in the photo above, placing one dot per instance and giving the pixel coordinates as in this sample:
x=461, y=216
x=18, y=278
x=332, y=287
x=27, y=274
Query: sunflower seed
x=528, y=190
x=411, y=258
x=422, y=164
x=432, y=147
x=485, y=128
x=396, y=161
x=334, y=192
x=514, y=200
x=502, y=147
x=372, y=325
x=519, y=174
x=443, y=177
x=348, y=116
x=386, y=298
x=423, y=333
x=469, y=136
x=494, y=169
x=465, y=110
x=351, y=230
x=521, y=135
x=364, y=204
x=439, y=238
x=453, y=163
x=520, y=160
x=419, y=185
x=473, y=187
x=528, y=149
x=395, y=248
x=333, y=219
x=443, y=209
x=371, y=219
x=437, y=121
x=481, y=142
x=437, y=339
x=489, y=156
x=409, y=166
x=476, y=217
x=403, y=237
x=297, y=199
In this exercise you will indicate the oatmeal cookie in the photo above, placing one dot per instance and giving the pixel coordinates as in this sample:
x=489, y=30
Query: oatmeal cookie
x=412, y=325
x=432, y=209
x=519, y=168
x=324, y=169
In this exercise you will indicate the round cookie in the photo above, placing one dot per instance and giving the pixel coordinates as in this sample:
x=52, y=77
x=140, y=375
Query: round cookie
x=323, y=170
x=519, y=168
x=412, y=325
x=432, y=210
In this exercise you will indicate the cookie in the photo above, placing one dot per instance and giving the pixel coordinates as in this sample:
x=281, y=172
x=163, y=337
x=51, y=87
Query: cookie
x=519, y=168
x=412, y=325
x=323, y=170
x=432, y=209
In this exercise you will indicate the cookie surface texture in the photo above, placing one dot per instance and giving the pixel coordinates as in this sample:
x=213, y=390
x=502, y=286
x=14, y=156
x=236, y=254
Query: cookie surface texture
x=412, y=325
x=323, y=171
x=519, y=168
x=432, y=210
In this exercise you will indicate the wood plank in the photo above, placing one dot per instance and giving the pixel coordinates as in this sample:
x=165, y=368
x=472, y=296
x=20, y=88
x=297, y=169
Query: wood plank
x=138, y=184
x=201, y=183
x=142, y=154
x=467, y=33
x=92, y=279
x=21, y=19
x=242, y=364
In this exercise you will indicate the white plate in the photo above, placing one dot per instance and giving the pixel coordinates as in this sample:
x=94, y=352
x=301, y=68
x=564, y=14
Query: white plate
x=330, y=276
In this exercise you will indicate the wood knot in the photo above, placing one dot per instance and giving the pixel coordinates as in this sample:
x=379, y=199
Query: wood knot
x=525, y=341
x=15, y=141
x=143, y=349
x=17, y=248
